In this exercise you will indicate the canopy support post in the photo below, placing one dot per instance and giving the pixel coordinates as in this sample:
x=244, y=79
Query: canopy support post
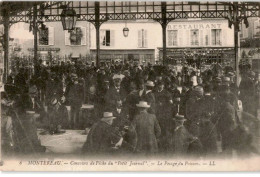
x=6, y=45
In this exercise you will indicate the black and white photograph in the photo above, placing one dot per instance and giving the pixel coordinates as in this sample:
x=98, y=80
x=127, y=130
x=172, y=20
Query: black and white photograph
x=130, y=85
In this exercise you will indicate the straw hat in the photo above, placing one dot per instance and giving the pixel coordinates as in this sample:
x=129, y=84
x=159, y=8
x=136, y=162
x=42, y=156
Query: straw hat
x=73, y=75
x=149, y=83
x=226, y=79
x=54, y=101
x=179, y=118
x=230, y=74
x=117, y=76
x=143, y=104
x=108, y=116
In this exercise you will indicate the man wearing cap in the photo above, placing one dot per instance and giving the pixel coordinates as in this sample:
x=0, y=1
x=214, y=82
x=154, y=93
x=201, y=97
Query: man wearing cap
x=102, y=138
x=147, y=129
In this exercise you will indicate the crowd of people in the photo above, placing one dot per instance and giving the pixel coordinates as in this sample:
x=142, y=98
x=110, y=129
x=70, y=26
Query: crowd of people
x=128, y=108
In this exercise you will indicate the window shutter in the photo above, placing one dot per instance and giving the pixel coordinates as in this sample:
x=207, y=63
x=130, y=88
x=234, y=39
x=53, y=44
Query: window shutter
x=112, y=38
x=102, y=37
x=220, y=36
x=201, y=38
x=169, y=38
x=180, y=38
x=256, y=24
x=51, y=35
x=84, y=36
x=186, y=38
x=207, y=41
x=223, y=38
x=145, y=38
x=213, y=37
x=67, y=38
x=139, y=38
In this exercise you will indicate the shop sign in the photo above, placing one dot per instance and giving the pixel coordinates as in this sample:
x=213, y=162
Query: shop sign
x=45, y=49
x=194, y=26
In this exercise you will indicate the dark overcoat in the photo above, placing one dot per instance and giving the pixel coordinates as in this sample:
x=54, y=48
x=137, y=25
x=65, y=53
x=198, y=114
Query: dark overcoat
x=148, y=130
x=101, y=139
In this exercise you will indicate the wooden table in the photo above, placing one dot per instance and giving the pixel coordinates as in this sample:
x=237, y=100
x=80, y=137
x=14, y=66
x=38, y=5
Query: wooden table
x=71, y=141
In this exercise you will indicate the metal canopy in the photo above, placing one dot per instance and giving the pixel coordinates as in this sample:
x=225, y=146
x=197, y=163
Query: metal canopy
x=50, y=11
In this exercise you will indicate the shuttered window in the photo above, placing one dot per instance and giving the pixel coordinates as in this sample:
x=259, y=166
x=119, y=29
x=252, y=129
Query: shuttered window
x=194, y=37
x=216, y=36
x=77, y=37
x=142, y=38
x=172, y=37
x=46, y=36
x=207, y=37
x=107, y=37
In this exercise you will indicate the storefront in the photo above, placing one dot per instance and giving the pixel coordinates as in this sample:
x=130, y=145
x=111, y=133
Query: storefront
x=143, y=56
x=47, y=54
x=224, y=55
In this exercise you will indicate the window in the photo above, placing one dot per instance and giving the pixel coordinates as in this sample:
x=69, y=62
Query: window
x=216, y=36
x=172, y=37
x=46, y=36
x=142, y=38
x=106, y=38
x=195, y=37
x=77, y=37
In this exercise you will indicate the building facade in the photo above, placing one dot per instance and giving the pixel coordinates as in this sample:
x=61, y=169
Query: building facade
x=56, y=44
x=211, y=40
x=140, y=45
x=207, y=40
x=250, y=43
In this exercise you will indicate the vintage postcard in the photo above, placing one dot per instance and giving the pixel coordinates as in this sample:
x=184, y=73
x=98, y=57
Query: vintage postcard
x=130, y=85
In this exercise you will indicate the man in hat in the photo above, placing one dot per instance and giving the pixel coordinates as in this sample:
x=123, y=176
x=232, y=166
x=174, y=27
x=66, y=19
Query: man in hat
x=126, y=81
x=20, y=80
x=207, y=129
x=147, y=129
x=75, y=99
x=233, y=86
x=102, y=138
x=58, y=113
x=148, y=96
x=116, y=95
x=247, y=92
x=180, y=141
x=226, y=123
x=257, y=84
x=176, y=98
x=193, y=110
x=163, y=101
x=7, y=134
x=52, y=87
